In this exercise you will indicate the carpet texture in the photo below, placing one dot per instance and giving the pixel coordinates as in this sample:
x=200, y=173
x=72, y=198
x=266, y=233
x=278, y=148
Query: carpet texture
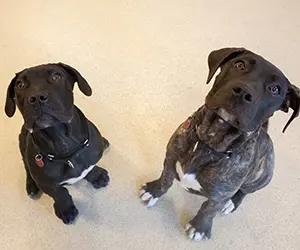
x=147, y=64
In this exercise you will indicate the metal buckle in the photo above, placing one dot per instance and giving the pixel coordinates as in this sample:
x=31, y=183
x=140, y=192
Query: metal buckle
x=70, y=163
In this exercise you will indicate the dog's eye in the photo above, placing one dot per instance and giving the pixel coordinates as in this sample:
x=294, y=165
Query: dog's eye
x=274, y=89
x=56, y=77
x=20, y=85
x=240, y=65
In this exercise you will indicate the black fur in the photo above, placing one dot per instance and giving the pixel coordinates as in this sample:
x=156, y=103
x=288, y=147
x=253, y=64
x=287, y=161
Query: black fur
x=53, y=125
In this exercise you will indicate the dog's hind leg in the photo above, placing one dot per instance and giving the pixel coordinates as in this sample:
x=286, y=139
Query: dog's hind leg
x=98, y=177
x=234, y=202
x=261, y=179
x=201, y=225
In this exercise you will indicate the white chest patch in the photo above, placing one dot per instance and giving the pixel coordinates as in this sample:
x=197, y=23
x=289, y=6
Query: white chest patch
x=75, y=179
x=188, y=181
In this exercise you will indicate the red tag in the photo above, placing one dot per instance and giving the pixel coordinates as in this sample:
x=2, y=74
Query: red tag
x=39, y=160
x=187, y=123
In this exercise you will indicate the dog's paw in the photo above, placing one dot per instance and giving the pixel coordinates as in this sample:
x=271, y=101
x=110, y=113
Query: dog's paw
x=68, y=215
x=228, y=208
x=101, y=179
x=32, y=189
x=196, y=234
x=151, y=192
x=147, y=197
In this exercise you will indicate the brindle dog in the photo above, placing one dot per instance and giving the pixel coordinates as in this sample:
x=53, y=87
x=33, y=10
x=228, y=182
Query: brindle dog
x=223, y=151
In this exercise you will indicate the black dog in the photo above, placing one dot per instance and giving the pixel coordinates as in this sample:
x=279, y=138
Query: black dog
x=59, y=145
x=223, y=151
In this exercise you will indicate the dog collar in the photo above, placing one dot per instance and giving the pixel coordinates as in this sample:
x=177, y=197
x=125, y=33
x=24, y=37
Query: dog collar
x=226, y=154
x=67, y=158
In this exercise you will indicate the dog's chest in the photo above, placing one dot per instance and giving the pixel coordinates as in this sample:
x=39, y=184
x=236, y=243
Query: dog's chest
x=83, y=174
x=188, y=181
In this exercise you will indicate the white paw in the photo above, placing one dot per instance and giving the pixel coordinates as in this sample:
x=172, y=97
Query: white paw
x=148, y=198
x=228, y=208
x=193, y=235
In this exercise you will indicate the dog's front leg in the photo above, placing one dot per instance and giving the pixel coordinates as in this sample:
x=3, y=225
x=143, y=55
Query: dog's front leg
x=200, y=226
x=151, y=191
x=182, y=139
x=31, y=187
x=63, y=203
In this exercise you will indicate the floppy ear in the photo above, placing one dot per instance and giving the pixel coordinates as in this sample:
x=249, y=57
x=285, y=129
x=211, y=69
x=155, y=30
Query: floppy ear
x=218, y=57
x=292, y=101
x=10, y=105
x=77, y=77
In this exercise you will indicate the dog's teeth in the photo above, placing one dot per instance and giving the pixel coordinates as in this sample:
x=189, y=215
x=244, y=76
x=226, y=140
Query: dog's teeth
x=146, y=196
x=198, y=236
x=152, y=202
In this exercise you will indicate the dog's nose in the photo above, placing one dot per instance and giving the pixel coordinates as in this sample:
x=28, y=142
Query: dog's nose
x=245, y=93
x=38, y=98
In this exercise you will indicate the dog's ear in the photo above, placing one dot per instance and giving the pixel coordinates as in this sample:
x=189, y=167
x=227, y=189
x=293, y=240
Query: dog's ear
x=292, y=101
x=218, y=57
x=10, y=105
x=77, y=77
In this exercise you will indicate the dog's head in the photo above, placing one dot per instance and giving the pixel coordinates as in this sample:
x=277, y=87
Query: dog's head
x=249, y=89
x=44, y=95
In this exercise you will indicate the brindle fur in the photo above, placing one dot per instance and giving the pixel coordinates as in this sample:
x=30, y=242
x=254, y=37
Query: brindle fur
x=229, y=162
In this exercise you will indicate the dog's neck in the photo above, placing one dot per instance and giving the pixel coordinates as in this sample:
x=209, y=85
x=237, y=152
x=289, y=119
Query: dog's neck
x=219, y=135
x=62, y=138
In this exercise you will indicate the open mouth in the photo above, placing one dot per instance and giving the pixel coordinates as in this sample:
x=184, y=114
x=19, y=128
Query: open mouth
x=225, y=116
x=233, y=121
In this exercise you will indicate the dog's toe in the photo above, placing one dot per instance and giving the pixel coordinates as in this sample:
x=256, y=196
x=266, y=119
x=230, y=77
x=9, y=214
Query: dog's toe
x=147, y=197
x=193, y=234
x=228, y=208
x=69, y=215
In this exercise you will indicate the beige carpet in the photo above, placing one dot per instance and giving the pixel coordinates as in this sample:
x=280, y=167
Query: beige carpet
x=146, y=63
